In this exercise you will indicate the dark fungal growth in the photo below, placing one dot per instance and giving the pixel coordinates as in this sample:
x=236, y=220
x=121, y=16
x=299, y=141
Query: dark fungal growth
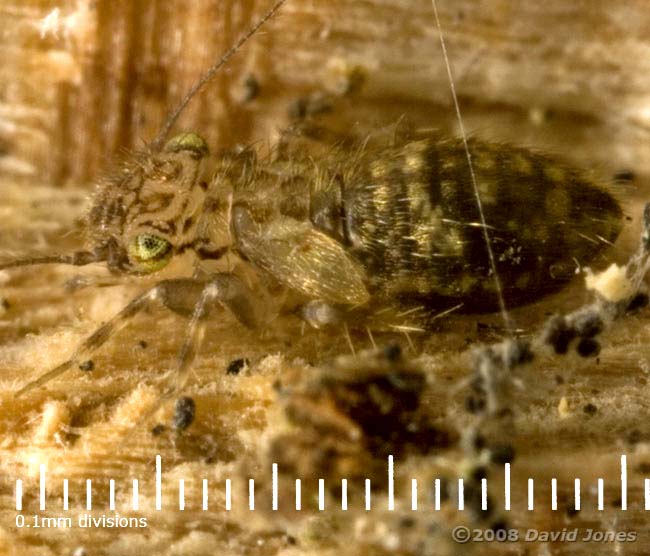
x=237, y=365
x=158, y=429
x=87, y=366
x=352, y=415
x=639, y=301
x=588, y=347
x=502, y=453
x=561, y=330
x=184, y=413
x=250, y=88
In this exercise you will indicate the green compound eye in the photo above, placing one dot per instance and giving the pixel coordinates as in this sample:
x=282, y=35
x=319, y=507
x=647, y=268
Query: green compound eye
x=191, y=142
x=149, y=252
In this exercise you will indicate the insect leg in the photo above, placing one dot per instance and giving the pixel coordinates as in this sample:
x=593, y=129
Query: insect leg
x=224, y=289
x=98, y=338
x=178, y=295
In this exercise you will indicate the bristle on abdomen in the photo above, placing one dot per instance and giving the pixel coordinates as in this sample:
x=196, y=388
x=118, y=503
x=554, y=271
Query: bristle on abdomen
x=412, y=220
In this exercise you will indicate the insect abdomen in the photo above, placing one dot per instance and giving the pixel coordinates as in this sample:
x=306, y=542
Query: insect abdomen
x=413, y=222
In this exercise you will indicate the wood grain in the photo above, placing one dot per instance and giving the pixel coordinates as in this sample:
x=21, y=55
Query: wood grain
x=98, y=78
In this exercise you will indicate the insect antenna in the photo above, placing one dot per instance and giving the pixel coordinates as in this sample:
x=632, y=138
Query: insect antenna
x=208, y=75
x=81, y=258
x=78, y=258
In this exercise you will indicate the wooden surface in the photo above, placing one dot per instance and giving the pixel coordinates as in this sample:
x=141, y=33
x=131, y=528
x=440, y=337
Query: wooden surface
x=570, y=78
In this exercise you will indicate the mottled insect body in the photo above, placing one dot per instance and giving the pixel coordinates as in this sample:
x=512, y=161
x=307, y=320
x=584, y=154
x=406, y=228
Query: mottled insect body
x=397, y=223
x=412, y=219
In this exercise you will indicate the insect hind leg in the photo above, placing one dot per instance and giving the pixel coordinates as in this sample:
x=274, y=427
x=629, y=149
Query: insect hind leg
x=186, y=297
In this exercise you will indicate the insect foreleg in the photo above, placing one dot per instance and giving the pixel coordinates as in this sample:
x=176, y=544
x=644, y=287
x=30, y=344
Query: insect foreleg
x=98, y=338
x=223, y=289
x=185, y=297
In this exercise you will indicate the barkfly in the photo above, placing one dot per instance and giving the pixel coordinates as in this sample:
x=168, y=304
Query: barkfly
x=363, y=227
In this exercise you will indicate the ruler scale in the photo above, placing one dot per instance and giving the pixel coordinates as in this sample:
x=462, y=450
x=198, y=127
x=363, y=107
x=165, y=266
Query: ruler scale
x=410, y=497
